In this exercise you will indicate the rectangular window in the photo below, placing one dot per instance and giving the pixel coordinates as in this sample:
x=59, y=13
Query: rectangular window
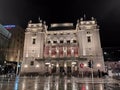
x=61, y=41
x=32, y=63
x=48, y=41
x=74, y=41
x=68, y=41
x=89, y=39
x=54, y=41
x=34, y=41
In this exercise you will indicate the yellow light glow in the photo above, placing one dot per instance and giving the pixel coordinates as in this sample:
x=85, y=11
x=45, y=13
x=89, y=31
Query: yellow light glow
x=37, y=65
x=25, y=66
x=57, y=65
x=98, y=65
x=85, y=65
x=73, y=63
x=65, y=65
x=47, y=63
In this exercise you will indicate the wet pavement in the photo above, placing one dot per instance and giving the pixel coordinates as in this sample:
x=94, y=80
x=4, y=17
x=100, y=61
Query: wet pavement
x=58, y=83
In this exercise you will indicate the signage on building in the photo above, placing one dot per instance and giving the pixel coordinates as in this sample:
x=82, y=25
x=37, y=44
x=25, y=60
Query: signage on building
x=9, y=26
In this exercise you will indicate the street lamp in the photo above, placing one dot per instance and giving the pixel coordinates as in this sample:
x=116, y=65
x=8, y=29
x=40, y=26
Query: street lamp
x=25, y=66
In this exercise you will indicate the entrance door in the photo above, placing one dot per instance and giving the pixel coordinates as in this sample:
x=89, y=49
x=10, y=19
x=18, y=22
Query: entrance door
x=69, y=69
x=62, y=69
x=54, y=69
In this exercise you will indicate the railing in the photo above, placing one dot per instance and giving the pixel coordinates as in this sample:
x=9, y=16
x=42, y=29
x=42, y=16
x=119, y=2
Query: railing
x=61, y=58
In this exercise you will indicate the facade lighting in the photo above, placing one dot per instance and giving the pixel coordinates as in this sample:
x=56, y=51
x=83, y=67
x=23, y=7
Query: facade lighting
x=47, y=63
x=65, y=65
x=85, y=65
x=37, y=65
x=98, y=65
x=25, y=66
x=57, y=65
x=73, y=63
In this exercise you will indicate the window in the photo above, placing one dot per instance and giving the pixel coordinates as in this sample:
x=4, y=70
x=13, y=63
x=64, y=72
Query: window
x=68, y=41
x=32, y=63
x=88, y=32
x=61, y=41
x=48, y=41
x=34, y=41
x=74, y=41
x=54, y=41
x=89, y=39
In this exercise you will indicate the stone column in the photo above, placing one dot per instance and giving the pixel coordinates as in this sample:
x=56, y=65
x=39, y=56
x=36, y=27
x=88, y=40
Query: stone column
x=57, y=50
x=65, y=67
x=72, y=51
x=50, y=51
x=57, y=68
x=64, y=51
x=49, y=69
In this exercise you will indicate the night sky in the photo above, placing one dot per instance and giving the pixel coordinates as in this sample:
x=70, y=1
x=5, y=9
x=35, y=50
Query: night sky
x=107, y=13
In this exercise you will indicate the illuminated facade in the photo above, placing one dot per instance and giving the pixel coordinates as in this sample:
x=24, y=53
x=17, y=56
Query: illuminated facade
x=16, y=43
x=4, y=41
x=62, y=48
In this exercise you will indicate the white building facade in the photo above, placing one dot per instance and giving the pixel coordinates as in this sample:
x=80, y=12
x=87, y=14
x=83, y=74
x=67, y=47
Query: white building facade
x=62, y=47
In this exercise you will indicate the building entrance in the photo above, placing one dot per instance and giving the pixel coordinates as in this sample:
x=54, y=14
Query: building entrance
x=54, y=69
x=62, y=70
x=69, y=70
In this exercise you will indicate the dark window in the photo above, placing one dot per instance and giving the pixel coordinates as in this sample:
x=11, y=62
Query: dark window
x=34, y=40
x=74, y=41
x=68, y=41
x=54, y=41
x=89, y=39
x=48, y=41
x=88, y=32
x=61, y=41
x=32, y=63
x=18, y=40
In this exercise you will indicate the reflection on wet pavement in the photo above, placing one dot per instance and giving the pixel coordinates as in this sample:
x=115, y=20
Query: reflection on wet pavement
x=55, y=83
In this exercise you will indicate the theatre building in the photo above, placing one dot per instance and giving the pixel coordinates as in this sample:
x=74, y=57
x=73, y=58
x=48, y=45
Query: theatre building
x=62, y=47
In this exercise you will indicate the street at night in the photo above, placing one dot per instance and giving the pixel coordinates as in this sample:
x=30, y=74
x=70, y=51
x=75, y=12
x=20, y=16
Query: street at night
x=58, y=83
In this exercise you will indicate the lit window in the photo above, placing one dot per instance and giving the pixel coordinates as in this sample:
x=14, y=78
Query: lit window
x=88, y=32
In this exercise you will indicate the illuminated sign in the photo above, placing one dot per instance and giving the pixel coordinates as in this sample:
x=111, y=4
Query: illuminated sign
x=9, y=26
